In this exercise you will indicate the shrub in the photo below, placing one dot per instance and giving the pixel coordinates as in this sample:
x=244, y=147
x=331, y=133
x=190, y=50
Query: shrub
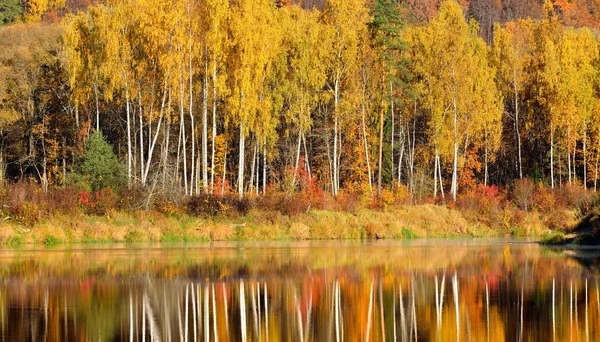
x=522, y=193
x=101, y=165
x=204, y=205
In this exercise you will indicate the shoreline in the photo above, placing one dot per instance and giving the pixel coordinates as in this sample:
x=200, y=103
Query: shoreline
x=401, y=222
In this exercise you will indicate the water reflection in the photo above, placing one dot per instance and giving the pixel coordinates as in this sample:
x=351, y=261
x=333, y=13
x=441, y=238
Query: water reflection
x=423, y=291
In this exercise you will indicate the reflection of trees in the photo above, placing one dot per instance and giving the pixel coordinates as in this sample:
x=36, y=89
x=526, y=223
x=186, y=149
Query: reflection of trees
x=484, y=293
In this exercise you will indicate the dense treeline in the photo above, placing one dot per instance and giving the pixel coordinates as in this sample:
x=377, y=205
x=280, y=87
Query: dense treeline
x=219, y=96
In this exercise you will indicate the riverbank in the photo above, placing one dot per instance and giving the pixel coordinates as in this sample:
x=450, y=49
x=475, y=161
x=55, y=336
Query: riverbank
x=402, y=222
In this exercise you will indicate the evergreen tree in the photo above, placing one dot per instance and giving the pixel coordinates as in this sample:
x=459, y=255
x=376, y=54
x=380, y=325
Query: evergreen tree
x=101, y=165
x=10, y=10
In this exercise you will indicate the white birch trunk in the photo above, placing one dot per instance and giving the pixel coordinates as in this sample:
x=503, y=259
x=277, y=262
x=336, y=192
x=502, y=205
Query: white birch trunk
x=214, y=126
x=552, y=155
x=517, y=125
x=193, y=182
x=455, y=162
x=129, y=154
x=365, y=142
x=183, y=140
x=205, y=132
x=335, y=140
x=241, y=162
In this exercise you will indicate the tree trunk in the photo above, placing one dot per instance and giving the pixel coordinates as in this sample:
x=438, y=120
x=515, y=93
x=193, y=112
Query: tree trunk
x=214, y=126
x=435, y=184
x=265, y=166
x=140, y=108
x=306, y=161
x=365, y=141
x=153, y=143
x=192, y=124
x=336, y=183
x=129, y=155
x=293, y=185
x=401, y=156
x=440, y=175
x=597, y=159
x=184, y=147
x=205, y=133
x=224, y=170
x=166, y=156
x=241, y=162
x=552, y=154
x=252, y=169
x=584, y=155
x=380, y=153
x=517, y=126
x=455, y=162
x=97, y=105
x=393, y=128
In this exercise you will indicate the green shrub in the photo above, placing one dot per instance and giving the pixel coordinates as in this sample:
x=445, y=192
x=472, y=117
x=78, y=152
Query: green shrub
x=101, y=165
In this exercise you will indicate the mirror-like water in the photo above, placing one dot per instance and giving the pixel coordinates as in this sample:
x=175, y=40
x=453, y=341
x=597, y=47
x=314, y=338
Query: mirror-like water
x=441, y=290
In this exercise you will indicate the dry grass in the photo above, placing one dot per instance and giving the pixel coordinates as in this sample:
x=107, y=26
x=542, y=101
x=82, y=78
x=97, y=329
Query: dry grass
x=398, y=222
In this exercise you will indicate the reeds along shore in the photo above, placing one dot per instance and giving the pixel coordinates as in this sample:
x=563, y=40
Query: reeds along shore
x=66, y=215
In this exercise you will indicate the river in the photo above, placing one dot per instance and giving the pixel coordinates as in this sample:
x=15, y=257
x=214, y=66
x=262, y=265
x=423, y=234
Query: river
x=425, y=290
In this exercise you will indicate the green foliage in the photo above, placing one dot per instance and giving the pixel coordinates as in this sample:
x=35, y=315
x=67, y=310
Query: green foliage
x=407, y=233
x=10, y=10
x=553, y=238
x=51, y=240
x=101, y=165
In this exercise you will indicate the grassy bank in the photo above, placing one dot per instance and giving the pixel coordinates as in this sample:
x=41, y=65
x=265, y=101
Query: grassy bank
x=409, y=221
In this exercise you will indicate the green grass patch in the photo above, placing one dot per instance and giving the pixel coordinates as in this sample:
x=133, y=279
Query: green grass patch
x=15, y=240
x=51, y=240
x=553, y=238
x=407, y=233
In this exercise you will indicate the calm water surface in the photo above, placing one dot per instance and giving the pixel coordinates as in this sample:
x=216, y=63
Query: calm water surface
x=426, y=290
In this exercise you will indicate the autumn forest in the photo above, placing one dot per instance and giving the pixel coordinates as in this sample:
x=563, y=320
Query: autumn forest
x=420, y=98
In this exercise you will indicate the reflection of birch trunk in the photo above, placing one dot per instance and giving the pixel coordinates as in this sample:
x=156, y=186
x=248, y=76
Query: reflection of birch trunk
x=587, y=328
x=576, y=314
x=166, y=316
x=337, y=310
x=185, y=322
x=214, y=309
x=242, y=312
x=254, y=313
x=402, y=314
x=414, y=309
x=369, y=313
x=179, y=320
x=553, y=309
x=394, y=310
x=439, y=303
x=258, y=299
x=206, y=314
x=521, y=316
x=226, y=311
x=130, y=318
x=571, y=310
x=198, y=307
x=65, y=320
x=487, y=308
x=266, y=312
x=381, y=313
x=154, y=332
x=299, y=317
x=455, y=288
x=308, y=316
x=194, y=313
x=46, y=313
x=331, y=315
x=144, y=321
